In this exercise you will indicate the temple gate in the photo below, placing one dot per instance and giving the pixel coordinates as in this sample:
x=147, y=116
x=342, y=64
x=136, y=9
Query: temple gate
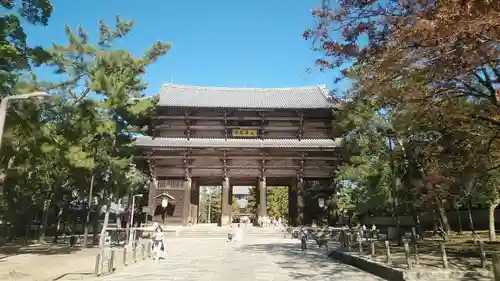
x=261, y=137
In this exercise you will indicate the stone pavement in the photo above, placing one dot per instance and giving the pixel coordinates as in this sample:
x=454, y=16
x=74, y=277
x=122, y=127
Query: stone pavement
x=266, y=259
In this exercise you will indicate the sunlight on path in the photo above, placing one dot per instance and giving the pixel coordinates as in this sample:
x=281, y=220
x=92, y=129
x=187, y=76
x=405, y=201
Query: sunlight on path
x=253, y=259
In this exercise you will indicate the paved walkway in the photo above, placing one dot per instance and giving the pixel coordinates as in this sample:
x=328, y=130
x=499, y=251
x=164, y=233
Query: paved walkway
x=273, y=259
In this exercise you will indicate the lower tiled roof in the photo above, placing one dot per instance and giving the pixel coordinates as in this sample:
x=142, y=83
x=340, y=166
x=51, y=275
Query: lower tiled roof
x=146, y=141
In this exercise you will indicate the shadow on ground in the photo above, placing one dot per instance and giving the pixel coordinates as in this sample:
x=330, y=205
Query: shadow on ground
x=311, y=263
x=72, y=276
x=37, y=249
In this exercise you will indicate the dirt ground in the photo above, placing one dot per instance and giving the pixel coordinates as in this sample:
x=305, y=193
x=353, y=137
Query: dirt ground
x=59, y=262
x=46, y=262
x=461, y=251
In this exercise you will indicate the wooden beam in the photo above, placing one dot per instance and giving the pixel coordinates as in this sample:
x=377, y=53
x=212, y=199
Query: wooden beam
x=225, y=128
x=239, y=149
x=231, y=118
x=228, y=167
x=256, y=157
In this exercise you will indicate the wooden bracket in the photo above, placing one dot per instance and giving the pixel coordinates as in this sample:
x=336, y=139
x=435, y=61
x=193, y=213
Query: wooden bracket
x=300, y=132
x=300, y=173
x=187, y=122
x=224, y=164
x=187, y=173
x=262, y=166
x=262, y=124
x=226, y=132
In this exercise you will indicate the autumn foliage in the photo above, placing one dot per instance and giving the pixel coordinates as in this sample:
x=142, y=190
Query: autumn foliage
x=423, y=111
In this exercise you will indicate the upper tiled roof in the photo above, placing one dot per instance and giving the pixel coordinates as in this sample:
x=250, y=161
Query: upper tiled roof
x=311, y=97
x=145, y=141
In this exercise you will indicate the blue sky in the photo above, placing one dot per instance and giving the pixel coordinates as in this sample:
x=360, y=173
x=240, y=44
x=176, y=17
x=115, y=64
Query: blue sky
x=217, y=43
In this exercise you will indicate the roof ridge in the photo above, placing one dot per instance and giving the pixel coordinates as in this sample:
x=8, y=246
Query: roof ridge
x=324, y=90
x=194, y=87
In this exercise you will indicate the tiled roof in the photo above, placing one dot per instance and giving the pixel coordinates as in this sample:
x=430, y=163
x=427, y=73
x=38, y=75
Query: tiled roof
x=146, y=141
x=312, y=97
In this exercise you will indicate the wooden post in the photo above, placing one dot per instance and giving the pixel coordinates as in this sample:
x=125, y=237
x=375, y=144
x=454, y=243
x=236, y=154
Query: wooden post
x=415, y=244
x=111, y=261
x=372, y=246
x=342, y=239
x=415, y=250
x=102, y=261
x=97, y=261
x=348, y=240
x=125, y=255
x=444, y=258
x=360, y=242
x=143, y=251
x=482, y=254
x=495, y=259
x=387, y=252
x=134, y=253
x=407, y=255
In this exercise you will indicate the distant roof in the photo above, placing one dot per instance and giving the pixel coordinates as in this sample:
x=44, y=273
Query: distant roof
x=146, y=141
x=241, y=190
x=311, y=97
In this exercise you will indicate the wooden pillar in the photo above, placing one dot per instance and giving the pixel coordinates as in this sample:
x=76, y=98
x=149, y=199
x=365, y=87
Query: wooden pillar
x=296, y=202
x=230, y=203
x=186, y=210
x=257, y=202
x=224, y=219
x=195, y=201
x=262, y=212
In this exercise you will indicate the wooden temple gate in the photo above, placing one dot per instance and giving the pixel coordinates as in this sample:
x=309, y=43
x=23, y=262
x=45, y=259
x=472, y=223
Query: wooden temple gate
x=211, y=136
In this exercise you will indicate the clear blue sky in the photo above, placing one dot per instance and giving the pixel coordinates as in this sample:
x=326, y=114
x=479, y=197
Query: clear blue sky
x=217, y=43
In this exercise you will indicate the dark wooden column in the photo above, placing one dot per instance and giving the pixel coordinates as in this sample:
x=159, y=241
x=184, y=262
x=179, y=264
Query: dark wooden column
x=296, y=202
x=224, y=219
x=195, y=201
x=230, y=203
x=257, y=202
x=262, y=211
x=186, y=210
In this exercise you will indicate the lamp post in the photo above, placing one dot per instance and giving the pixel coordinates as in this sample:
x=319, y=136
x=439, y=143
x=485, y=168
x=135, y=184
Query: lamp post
x=132, y=216
x=4, y=105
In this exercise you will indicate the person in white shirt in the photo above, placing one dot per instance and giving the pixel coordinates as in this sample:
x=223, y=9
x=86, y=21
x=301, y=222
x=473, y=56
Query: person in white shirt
x=238, y=236
x=158, y=240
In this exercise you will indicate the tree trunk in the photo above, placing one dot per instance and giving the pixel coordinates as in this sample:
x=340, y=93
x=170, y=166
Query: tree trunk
x=95, y=221
x=416, y=219
x=105, y=224
x=443, y=217
x=471, y=221
x=491, y=219
x=59, y=222
x=459, y=219
x=45, y=219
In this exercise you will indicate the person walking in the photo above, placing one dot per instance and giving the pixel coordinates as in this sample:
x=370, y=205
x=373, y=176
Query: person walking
x=303, y=238
x=238, y=236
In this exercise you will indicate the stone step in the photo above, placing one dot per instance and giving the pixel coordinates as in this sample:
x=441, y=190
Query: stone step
x=203, y=233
